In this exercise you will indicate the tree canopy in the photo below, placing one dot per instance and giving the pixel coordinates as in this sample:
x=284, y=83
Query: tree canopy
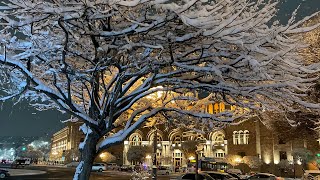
x=103, y=62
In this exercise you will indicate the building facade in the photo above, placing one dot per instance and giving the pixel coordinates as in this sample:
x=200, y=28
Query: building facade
x=250, y=138
x=169, y=145
x=65, y=143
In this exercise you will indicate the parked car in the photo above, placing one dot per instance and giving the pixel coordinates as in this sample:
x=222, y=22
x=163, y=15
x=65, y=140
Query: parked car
x=126, y=168
x=192, y=176
x=220, y=175
x=164, y=170
x=234, y=171
x=265, y=176
x=99, y=167
x=238, y=176
x=112, y=166
x=18, y=163
x=311, y=174
x=4, y=173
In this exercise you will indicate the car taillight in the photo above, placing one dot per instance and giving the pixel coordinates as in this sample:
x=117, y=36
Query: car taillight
x=279, y=178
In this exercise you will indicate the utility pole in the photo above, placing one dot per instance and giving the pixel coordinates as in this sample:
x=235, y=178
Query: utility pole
x=197, y=166
x=154, y=167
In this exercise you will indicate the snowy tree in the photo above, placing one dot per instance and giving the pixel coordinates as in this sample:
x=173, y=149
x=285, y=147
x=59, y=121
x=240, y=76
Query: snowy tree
x=103, y=62
x=302, y=156
x=285, y=166
x=233, y=160
x=189, y=148
x=252, y=161
x=138, y=153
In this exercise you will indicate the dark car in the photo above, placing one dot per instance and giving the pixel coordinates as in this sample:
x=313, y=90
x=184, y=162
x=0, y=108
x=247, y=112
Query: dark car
x=18, y=163
x=192, y=176
x=236, y=175
x=264, y=176
x=4, y=173
x=220, y=175
x=126, y=168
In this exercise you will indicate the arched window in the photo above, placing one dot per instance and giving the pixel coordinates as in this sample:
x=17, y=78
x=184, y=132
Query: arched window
x=177, y=139
x=218, y=138
x=159, y=137
x=136, y=140
x=235, y=137
x=246, y=137
x=199, y=137
x=241, y=137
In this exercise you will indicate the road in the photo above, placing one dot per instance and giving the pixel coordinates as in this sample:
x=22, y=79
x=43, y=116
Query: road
x=59, y=173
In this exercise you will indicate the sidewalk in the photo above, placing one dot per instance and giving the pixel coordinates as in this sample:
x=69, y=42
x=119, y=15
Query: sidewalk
x=24, y=172
x=49, y=165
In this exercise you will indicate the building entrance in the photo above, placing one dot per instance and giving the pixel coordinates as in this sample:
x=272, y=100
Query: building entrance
x=177, y=158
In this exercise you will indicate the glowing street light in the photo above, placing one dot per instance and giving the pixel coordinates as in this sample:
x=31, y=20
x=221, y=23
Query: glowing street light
x=102, y=155
x=238, y=160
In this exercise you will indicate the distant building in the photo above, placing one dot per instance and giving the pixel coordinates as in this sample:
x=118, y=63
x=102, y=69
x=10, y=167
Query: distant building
x=65, y=143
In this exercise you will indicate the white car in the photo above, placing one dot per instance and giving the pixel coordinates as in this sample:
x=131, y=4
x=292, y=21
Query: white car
x=311, y=174
x=164, y=170
x=98, y=167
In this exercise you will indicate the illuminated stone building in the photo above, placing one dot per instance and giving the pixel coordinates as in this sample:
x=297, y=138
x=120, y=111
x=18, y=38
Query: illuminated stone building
x=65, y=143
x=250, y=138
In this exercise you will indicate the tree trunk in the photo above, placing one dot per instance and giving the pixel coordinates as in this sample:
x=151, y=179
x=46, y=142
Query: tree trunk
x=88, y=154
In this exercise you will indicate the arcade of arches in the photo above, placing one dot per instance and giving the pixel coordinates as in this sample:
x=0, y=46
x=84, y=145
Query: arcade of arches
x=169, y=151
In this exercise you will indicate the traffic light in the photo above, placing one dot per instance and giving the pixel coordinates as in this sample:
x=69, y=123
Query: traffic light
x=23, y=148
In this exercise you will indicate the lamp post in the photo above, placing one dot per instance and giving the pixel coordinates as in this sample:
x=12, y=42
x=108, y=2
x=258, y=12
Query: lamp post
x=154, y=167
x=155, y=96
x=199, y=148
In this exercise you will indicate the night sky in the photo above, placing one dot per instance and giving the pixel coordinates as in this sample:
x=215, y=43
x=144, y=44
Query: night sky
x=23, y=120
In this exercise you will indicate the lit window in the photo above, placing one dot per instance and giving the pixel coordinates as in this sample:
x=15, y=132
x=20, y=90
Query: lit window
x=241, y=137
x=246, y=137
x=136, y=140
x=235, y=137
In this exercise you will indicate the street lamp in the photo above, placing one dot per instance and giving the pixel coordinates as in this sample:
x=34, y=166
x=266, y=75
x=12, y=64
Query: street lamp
x=155, y=96
x=238, y=160
x=102, y=155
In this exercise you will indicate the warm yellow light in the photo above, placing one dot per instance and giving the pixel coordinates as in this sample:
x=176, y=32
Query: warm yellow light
x=276, y=162
x=238, y=160
x=299, y=162
x=102, y=155
x=148, y=157
x=191, y=158
x=54, y=153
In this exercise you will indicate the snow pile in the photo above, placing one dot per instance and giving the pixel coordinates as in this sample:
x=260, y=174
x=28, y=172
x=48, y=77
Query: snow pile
x=140, y=175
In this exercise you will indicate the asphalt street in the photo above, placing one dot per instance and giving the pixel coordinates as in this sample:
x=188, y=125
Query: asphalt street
x=59, y=173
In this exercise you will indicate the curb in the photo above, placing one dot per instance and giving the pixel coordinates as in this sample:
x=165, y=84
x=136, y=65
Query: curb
x=24, y=172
